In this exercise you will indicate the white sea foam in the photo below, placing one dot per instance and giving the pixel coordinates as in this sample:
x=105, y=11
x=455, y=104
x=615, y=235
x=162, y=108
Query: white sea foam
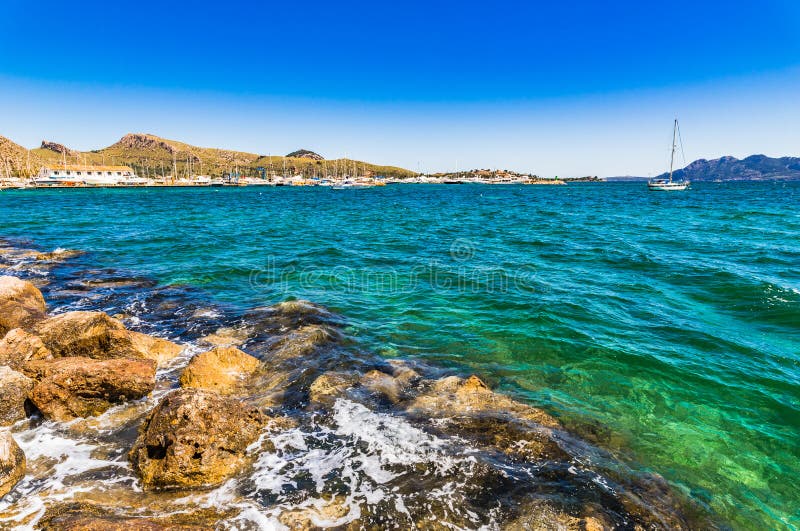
x=364, y=451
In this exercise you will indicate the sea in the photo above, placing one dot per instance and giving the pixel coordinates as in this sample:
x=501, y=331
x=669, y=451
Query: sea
x=662, y=327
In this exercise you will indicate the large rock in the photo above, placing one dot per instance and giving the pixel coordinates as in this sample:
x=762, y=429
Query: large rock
x=73, y=387
x=303, y=342
x=87, y=334
x=18, y=347
x=471, y=408
x=125, y=515
x=382, y=384
x=12, y=463
x=96, y=335
x=21, y=304
x=194, y=438
x=330, y=386
x=153, y=348
x=543, y=517
x=14, y=389
x=221, y=369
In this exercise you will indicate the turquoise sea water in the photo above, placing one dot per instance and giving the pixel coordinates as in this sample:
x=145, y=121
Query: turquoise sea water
x=666, y=327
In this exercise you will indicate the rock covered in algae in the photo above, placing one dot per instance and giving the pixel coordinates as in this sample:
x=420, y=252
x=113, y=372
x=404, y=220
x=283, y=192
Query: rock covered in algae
x=18, y=347
x=221, y=369
x=471, y=408
x=12, y=463
x=14, y=389
x=21, y=304
x=73, y=387
x=194, y=438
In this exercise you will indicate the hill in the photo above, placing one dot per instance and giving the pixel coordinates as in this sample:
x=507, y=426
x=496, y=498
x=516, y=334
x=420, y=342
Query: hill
x=16, y=160
x=752, y=168
x=151, y=155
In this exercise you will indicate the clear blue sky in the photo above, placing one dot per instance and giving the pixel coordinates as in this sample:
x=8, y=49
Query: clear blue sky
x=558, y=88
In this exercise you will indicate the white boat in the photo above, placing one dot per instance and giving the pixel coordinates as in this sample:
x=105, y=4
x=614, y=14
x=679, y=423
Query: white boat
x=668, y=185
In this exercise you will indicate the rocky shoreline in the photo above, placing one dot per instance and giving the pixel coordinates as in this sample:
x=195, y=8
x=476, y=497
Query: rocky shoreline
x=277, y=420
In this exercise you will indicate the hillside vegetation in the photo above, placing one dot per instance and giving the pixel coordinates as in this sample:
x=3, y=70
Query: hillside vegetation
x=150, y=155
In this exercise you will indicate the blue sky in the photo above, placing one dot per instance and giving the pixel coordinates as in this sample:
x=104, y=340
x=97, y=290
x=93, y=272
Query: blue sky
x=559, y=88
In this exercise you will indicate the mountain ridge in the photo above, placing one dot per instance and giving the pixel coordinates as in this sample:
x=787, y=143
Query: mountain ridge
x=149, y=154
x=728, y=168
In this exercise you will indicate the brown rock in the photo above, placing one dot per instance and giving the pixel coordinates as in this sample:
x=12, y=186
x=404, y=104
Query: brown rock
x=471, y=408
x=194, y=438
x=382, y=384
x=88, y=334
x=221, y=369
x=540, y=516
x=81, y=387
x=21, y=304
x=318, y=516
x=78, y=516
x=227, y=337
x=57, y=255
x=96, y=335
x=157, y=349
x=331, y=385
x=115, y=523
x=18, y=347
x=303, y=342
x=12, y=463
x=14, y=389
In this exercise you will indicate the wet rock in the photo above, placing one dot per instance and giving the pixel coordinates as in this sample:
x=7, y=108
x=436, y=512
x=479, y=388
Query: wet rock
x=88, y=334
x=73, y=387
x=470, y=407
x=18, y=347
x=289, y=315
x=96, y=335
x=14, y=389
x=227, y=337
x=89, y=517
x=330, y=386
x=194, y=438
x=541, y=516
x=452, y=395
x=403, y=373
x=57, y=255
x=12, y=463
x=221, y=369
x=382, y=384
x=21, y=304
x=303, y=342
x=320, y=515
x=153, y=348
x=115, y=523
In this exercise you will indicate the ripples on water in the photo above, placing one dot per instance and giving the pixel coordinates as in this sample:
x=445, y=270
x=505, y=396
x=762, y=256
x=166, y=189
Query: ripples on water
x=663, y=326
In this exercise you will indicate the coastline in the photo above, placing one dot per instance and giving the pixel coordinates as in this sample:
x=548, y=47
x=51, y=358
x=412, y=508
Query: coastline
x=319, y=383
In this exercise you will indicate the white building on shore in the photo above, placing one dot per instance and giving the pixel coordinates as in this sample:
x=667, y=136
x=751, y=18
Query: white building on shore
x=83, y=175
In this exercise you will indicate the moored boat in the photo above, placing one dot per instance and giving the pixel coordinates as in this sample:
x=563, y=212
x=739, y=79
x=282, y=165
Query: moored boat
x=668, y=185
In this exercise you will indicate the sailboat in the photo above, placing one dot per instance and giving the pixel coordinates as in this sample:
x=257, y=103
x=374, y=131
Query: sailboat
x=668, y=185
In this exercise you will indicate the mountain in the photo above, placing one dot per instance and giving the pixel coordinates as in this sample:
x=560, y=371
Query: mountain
x=752, y=168
x=151, y=155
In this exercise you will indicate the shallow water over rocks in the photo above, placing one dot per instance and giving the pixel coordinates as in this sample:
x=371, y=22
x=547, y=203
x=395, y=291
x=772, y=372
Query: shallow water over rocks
x=351, y=440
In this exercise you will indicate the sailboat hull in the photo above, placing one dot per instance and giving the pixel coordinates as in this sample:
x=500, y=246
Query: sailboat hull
x=675, y=186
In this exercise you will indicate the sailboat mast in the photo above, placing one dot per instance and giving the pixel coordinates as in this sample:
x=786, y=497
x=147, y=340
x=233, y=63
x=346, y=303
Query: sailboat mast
x=672, y=155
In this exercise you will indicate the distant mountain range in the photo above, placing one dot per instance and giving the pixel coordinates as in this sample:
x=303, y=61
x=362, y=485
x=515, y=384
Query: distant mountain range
x=752, y=168
x=150, y=155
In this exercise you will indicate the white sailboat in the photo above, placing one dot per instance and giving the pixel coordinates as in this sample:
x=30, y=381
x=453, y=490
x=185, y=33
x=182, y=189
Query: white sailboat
x=668, y=185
